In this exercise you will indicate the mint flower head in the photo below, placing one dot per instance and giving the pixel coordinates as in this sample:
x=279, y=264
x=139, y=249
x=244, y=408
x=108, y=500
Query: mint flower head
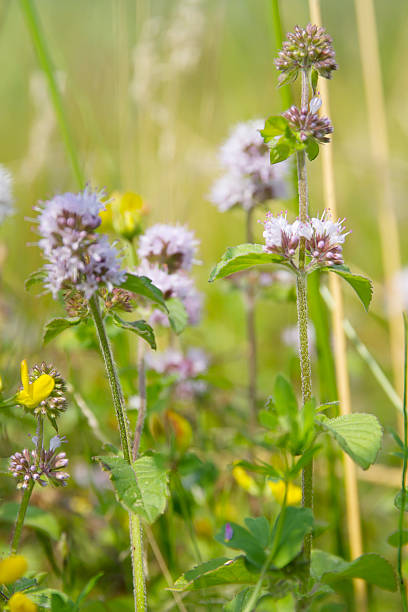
x=306, y=48
x=171, y=246
x=49, y=467
x=77, y=256
x=6, y=195
x=308, y=124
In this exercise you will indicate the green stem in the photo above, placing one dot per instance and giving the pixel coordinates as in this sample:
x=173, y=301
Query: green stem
x=277, y=536
x=403, y=483
x=40, y=45
x=302, y=311
x=285, y=92
x=136, y=543
x=20, y=518
x=250, y=303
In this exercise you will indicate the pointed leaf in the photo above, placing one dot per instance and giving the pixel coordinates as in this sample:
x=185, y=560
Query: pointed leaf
x=274, y=126
x=242, y=257
x=361, y=285
x=359, y=435
x=312, y=148
x=56, y=326
x=178, y=316
x=141, y=285
x=141, y=487
x=217, y=572
x=141, y=328
x=297, y=523
x=237, y=537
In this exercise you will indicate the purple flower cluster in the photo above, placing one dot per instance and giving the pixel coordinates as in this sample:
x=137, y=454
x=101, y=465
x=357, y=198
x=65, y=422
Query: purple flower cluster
x=186, y=367
x=324, y=238
x=249, y=177
x=309, y=124
x=166, y=255
x=26, y=467
x=78, y=257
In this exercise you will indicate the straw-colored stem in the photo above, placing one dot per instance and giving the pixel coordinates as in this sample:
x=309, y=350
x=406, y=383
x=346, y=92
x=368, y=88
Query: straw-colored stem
x=342, y=377
x=387, y=219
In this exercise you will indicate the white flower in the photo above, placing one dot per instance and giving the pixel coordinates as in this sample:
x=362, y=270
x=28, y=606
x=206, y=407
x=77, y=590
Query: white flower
x=171, y=245
x=6, y=196
x=325, y=242
x=185, y=367
x=281, y=236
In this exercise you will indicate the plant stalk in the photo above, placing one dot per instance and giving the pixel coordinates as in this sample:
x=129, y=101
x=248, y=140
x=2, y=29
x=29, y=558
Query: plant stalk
x=250, y=302
x=141, y=414
x=402, y=587
x=136, y=544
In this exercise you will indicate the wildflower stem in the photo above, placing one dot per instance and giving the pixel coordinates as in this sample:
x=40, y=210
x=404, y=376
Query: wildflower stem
x=302, y=310
x=141, y=415
x=403, y=590
x=250, y=302
x=136, y=543
x=40, y=45
x=20, y=518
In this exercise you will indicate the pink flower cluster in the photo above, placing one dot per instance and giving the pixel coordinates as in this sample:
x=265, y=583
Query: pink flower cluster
x=185, y=367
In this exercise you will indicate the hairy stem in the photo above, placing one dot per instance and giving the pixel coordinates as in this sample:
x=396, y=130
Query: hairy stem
x=302, y=311
x=40, y=45
x=403, y=590
x=136, y=543
x=250, y=302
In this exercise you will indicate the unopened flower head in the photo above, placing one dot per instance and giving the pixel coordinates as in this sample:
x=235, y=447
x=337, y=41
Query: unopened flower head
x=34, y=389
x=27, y=468
x=325, y=240
x=119, y=299
x=305, y=48
x=281, y=236
x=308, y=124
x=171, y=246
x=78, y=257
x=6, y=195
x=12, y=568
x=249, y=177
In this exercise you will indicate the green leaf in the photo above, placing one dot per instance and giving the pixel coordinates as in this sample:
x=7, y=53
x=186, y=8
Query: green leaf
x=312, y=148
x=260, y=468
x=217, y=572
x=280, y=150
x=260, y=529
x=399, y=501
x=36, y=278
x=35, y=518
x=240, y=601
x=274, y=126
x=141, y=285
x=141, y=328
x=178, y=316
x=361, y=285
x=297, y=523
x=242, y=257
x=241, y=539
x=141, y=487
x=394, y=538
x=370, y=567
x=314, y=77
x=358, y=434
x=284, y=397
x=88, y=588
x=56, y=326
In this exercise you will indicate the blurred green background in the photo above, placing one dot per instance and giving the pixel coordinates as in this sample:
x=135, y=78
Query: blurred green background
x=151, y=89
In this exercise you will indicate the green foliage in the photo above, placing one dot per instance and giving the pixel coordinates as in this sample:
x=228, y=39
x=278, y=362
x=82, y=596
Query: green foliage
x=141, y=488
x=141, y=328
x=371, y=567
x=359, y=435
x=143, y=286
x=244, y=540
x=401, y=501
x=297, y=523
x=56, y=326
x=361, y=285
x=394, y=538
x=283, y=142
x=178, y=316
x=242, y=257
x=218, y=572
x=36, y=518
x=35, y=278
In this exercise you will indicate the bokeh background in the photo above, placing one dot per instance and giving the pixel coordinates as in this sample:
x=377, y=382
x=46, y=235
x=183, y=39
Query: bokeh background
x=152, y=89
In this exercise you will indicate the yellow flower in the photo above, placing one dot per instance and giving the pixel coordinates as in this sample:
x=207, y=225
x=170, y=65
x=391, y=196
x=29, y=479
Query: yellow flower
x=124, y=214
x=244, y=480
x=34, y=393
x=20, y=603
x=183, y=432
x=12, y=568
x=294, y=495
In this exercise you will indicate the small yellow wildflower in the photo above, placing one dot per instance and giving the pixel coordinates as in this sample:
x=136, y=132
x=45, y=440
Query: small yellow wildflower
x=21, y=603
x=12, y=568
x=294, y=495
x=183, y=432
x=34, y=393
x=244, y=480
x=124, y=214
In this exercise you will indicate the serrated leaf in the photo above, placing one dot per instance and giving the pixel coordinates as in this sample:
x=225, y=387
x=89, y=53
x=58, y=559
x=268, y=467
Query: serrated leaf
x=240, y=538
x=274, y=126
x=35, y=518
x=297, y=523
x=242, y=257
x=217, y=572
x=178, y=316
x=56, y=326
x=399, y=502
x=141, y=488
x=312, y=148
x=358, y=434
x=371, y=567
x=142, y=285
x=361, y=285
x=141, y=328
